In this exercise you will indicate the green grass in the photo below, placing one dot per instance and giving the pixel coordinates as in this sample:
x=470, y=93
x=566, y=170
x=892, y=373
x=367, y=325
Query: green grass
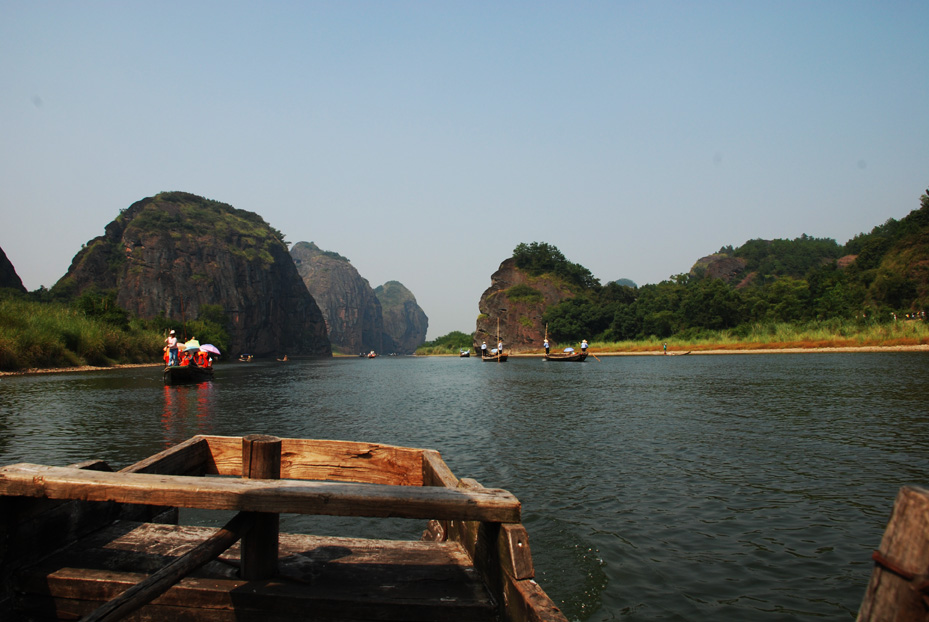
x=827, y=334
x=44, y=335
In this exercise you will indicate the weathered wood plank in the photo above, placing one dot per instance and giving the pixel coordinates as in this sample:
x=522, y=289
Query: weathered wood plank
x=261, y=459
x=161, y=581
x=436, y=471
x=312, y=459
x=526, y=601
x=901, y=563
x=284, y=496
x=320, y=578
x=501, y=553
x=192, y=457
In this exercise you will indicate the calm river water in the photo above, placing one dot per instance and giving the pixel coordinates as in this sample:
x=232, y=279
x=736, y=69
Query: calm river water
x=653, y=488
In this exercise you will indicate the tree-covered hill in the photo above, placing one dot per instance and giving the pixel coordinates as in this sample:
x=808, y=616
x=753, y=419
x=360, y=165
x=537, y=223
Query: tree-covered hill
x=875, y=277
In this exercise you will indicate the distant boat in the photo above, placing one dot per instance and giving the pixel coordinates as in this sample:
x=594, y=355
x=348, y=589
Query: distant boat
x=567, y=357
x=464, y=353
x=372, y=354
x=495, y=357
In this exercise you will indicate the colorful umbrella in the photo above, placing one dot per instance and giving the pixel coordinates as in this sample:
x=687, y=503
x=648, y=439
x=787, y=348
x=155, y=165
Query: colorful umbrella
x=209, y=347
x=193, y=344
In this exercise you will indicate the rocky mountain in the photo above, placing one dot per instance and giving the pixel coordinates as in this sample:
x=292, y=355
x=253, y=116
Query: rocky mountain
x=515, y=301
x=349, y=305
x=720, y=266
x=405, y=323
x=171, y=254
x=8, y=277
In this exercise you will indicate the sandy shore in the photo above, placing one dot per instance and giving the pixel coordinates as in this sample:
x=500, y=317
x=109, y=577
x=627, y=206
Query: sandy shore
x=771, y=350
x=63, y=370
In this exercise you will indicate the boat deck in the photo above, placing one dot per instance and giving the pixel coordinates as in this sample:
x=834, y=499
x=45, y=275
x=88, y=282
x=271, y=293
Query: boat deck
x=85, y=542
x=318, y=578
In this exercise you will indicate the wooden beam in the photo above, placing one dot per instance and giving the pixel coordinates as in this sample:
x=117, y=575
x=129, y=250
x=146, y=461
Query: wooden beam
x=284, y=496
x=261, y=459
x=192, y=457
x=436, y=471
x=346, y=461
x=900, y=573
x=160, y=582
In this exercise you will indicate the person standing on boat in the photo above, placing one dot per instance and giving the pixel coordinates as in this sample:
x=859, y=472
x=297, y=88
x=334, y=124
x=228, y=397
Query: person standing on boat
x=500, y=347
x=172, y=348
x=547, y=347
x=483, y=349
x=584, y=346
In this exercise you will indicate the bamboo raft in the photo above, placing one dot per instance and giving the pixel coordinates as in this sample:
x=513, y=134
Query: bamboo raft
x=83, y=542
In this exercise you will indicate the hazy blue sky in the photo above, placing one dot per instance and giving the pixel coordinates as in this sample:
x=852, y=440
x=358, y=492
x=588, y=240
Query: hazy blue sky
x=425, y=140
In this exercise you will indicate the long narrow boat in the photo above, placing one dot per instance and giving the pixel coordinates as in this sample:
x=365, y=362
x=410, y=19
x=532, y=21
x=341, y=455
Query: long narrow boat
x=85, y=542
x=495, y=358
x=570, y=357
x=187, y=374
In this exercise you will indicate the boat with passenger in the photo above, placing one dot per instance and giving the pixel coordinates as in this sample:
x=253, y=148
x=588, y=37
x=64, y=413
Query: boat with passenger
x=195, y=364
x=569, y=355
x=85, y=542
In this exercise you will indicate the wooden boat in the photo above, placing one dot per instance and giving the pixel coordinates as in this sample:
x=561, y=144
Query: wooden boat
x=187, y=374
x=495, y=358
x=571, y=357
x=464, y=354
x=83, y=541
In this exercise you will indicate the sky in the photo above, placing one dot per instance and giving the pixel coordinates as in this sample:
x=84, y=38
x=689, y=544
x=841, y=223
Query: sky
x=425, y=140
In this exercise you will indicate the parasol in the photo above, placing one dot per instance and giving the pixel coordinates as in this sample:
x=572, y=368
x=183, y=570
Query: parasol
x=209, y=347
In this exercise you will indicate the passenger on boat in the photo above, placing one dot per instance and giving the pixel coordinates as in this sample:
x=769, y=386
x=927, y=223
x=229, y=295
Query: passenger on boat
x=484, y=349
x=546, y=346
x=185, y=359
x=172, y=348
x=584, y=346
x=500, y=347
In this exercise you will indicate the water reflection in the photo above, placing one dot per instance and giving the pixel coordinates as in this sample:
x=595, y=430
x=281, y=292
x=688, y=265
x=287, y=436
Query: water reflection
x=188, y=411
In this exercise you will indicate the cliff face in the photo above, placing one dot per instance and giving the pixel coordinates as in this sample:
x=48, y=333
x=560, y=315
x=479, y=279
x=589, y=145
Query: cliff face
x=721, y=266
x=405, y=323
x=8, y=277
x=349, y=305
x=175, y=252
x=517, y=301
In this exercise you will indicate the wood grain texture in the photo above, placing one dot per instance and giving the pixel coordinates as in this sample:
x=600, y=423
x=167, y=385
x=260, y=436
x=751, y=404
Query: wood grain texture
x=284, y=496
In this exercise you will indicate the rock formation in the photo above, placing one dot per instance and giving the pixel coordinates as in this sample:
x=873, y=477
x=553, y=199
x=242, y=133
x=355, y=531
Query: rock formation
x=8, y=277
x=349, y=306
x=173, y=253
x=720, y=266
x=405, y=323
x=516, y=301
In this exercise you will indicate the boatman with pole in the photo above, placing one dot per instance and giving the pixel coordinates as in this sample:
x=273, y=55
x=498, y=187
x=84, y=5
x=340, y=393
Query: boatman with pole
x=172, y=348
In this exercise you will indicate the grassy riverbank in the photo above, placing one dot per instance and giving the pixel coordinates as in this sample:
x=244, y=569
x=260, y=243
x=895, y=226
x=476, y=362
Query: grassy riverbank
x=815, y=336
x=768, y=337
x=50, y=336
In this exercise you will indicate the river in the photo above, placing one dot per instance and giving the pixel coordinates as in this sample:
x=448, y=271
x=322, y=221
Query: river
x=653, y=488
